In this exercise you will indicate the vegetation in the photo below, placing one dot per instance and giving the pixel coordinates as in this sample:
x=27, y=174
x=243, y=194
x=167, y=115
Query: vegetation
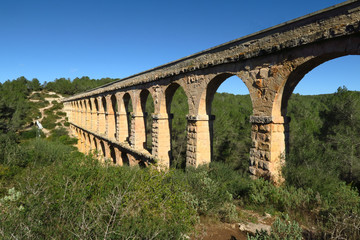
x=65, y=86
x=48, y=190
x=280, y=230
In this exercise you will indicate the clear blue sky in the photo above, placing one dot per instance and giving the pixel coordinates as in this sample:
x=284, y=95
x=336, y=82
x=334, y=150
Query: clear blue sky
x=48, y=39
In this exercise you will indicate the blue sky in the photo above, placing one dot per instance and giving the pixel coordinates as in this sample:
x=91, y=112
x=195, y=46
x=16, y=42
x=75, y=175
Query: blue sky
x=48, y=39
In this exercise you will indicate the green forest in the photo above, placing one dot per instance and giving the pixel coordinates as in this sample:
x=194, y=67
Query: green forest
x=49, y=190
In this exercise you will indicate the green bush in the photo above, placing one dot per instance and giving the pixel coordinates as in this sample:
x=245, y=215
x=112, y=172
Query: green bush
x=235, y=182
x=340, y=213
x=209, y=196
x=80, y=197
x=283, y=199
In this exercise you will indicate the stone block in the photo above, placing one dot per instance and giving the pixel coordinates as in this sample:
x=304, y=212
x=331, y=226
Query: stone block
x=265, y=128
x=264, y=73
x=252, y=170
x=254, y=127
x=266, y=165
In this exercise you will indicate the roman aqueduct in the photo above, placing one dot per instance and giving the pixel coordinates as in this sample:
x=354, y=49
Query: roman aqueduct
x=270, y=63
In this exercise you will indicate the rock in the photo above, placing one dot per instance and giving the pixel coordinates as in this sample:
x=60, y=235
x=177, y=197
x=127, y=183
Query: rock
x=252, y=227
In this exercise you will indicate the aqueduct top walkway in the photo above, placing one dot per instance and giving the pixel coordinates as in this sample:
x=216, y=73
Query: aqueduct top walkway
x=270, y=63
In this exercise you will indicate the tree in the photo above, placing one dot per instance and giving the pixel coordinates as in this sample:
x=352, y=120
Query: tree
x=341, y=132
x=35, y=85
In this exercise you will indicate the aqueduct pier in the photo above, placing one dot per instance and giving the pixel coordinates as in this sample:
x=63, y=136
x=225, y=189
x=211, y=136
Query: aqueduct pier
x=270, y=63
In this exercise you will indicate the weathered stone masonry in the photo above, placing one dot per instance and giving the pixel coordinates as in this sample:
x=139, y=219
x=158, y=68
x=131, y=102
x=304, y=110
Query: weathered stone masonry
x=270, y=63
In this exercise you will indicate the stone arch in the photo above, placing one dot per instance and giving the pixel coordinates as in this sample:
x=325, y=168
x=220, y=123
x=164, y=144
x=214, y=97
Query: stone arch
x=298, y=74
x=176, y=149
x=77, y=111
x=124, y=103
x=147, y=95
x=90, y=105
x=169, y=94
x=139, y=136
x=306, y=60
x=207, y=96
x=270, y=133
x=96, y=104
x=102, y=118
x=125, y=158
x=200, y=126
x=112, y=110
x=104, y=104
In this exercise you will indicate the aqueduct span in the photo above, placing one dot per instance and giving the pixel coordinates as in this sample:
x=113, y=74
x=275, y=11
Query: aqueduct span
x=270, y=63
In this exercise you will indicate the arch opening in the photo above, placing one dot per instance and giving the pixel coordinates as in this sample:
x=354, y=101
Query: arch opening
x=112, y=117
x=103, y=102
x=113, y=155
x=325, y=122
x=126, y=109
x=96, y=147
x=103, y=150
x=227, y=97
x=147, y=108
x=177, y=108
x=125, y=158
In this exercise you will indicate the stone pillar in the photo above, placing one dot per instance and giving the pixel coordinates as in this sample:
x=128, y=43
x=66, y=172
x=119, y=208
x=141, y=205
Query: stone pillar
x=199, y=136
x=93, y=117
x=123, y=127
x=100, y=154
x=92, y=143
x=73, y=115
x=83, y=114
x=77, y=113
x=118, y=156
x=78, y=136
x=88, y=115
x=161, y=139
x=86, y=143
x=270, y=139
x=107, y=150
x=82, y=146
x=138, y=131
x=101, y=117
x=111, y=125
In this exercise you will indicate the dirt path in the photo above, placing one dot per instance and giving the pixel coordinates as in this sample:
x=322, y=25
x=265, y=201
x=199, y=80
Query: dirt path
x=42, y=110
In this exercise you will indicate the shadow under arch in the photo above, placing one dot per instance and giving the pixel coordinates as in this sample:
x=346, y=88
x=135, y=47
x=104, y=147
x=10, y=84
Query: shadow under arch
x=176, y=101
x=103, y=150
x=125, y=158
x=113, y=155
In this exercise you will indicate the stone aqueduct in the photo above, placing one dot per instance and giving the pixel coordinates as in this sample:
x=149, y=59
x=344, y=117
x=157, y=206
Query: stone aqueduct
x=270, y=63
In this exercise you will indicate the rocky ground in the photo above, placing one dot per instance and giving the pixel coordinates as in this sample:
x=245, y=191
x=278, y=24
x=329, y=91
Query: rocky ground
x=250, y=221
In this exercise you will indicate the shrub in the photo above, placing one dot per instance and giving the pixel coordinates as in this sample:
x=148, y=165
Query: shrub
x=209, y=196
x=263, y=193
x=77, y=197
x=340, y=213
